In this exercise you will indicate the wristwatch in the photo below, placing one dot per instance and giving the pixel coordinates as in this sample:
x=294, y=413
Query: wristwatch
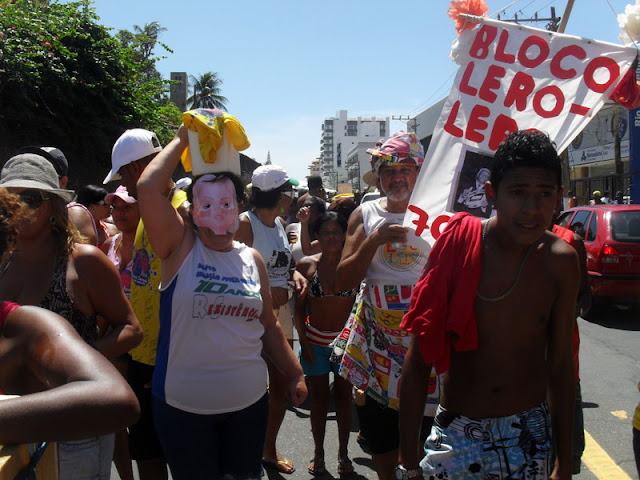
x=403, y=473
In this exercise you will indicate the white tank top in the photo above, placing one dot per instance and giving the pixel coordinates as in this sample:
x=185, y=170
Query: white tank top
x=273, y=245
x=208, y=359
x=392, y=264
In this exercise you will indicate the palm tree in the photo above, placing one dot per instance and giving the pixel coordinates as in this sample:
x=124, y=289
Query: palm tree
x=206, y=92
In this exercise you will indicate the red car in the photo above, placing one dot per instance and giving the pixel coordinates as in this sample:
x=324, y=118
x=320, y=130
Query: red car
x=611, y=236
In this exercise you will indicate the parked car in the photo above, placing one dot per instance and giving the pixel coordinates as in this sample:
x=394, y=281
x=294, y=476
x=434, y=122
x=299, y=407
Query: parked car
x=611, y=236
x=370, y=196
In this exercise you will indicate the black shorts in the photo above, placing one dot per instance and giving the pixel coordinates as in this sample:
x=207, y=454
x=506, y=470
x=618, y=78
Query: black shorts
x=143, y=440
x=380, y=428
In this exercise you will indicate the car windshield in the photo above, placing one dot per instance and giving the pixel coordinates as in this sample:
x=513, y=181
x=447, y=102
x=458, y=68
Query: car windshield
x=625, y=226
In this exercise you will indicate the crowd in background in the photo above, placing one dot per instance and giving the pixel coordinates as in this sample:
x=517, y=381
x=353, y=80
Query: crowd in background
x=195, y=291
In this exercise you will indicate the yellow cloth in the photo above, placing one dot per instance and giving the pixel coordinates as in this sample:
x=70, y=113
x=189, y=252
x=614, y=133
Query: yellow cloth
x=145, y=298
x=211, y=125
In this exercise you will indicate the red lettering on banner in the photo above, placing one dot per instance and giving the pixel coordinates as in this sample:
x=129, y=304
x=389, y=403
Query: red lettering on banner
x=533, y=52
x=595, y=64
x=579, y=109
x=449, y=126
x=521, y=87
x=491, y=82
x=483, y=39
x=423, y=217
x=554, y=91
x=436, y=226
x=464, y=81
x=421, y=222
x=543, y=53
x=477, y=123
x=556, y=62
x=501, y=55
x=502, y=127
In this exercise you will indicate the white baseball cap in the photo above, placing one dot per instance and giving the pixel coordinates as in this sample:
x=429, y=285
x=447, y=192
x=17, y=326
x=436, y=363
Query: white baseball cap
x=132, y=145
x=270, y=177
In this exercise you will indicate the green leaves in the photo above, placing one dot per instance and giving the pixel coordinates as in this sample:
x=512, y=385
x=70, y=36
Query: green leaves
x=65, y=81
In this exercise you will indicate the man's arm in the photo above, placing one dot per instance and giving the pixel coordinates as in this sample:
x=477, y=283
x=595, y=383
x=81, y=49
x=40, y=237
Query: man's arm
x=584, y=294
x=69, y=390
x=413, y=395
x=561, y=383
x=359, y=249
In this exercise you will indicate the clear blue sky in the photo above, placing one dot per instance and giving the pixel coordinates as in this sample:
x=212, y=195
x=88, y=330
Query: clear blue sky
x=286, y=65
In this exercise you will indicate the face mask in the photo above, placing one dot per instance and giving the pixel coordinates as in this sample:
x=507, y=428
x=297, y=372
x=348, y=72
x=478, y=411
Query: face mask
x=214, y=205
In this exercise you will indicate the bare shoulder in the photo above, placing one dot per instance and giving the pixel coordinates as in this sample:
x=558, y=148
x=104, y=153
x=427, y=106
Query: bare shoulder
x=90, y=260
x=307, y=265
x=34, y=321
x=561, y=257
x=355, y=220
x=244, y=233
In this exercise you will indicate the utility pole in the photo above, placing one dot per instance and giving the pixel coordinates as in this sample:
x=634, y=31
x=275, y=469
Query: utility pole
x=551, y=26
x=407, y=119
x=556, y=24
x=617, y=157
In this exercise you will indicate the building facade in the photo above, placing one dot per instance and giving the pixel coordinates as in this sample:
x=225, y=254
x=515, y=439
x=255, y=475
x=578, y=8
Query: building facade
x=178, y=91
x=340, y=134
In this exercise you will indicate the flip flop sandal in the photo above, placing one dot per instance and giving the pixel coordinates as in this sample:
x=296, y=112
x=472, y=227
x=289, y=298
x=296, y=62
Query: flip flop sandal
x=283, y=465
x=316, y=467
x=345, y=467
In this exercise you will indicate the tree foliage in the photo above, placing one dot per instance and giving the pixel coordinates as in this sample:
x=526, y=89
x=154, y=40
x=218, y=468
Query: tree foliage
x=66, y=82
x=207, y=92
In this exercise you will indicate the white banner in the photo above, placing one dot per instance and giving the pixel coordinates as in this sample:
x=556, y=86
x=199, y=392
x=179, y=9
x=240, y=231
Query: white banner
x=511, y=78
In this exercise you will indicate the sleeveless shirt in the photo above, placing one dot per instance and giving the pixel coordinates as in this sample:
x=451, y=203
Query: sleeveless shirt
x=58, y=301
x=273, y=246
x=392, y=264
x=209, y=349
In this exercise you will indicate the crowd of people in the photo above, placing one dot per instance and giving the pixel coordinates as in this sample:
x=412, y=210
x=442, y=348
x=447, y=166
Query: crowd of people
x=462, y=360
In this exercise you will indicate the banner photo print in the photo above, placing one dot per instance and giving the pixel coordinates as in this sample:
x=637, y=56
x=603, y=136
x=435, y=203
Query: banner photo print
x=511, y=77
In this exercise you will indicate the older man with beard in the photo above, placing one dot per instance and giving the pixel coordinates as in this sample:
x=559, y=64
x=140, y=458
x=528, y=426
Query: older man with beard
x=372, y=345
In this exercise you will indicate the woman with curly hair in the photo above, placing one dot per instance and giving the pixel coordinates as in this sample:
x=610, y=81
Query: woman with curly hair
x=64, y=389
x=50, y=269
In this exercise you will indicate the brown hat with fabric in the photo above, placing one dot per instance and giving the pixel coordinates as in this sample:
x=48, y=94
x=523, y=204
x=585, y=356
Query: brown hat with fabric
x=29, y=170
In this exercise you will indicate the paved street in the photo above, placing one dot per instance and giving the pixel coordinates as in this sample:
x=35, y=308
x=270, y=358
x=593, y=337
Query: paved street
x=610, y=371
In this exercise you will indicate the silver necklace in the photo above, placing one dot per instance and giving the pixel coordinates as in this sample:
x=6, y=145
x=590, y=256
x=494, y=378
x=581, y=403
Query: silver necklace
x=515, y=282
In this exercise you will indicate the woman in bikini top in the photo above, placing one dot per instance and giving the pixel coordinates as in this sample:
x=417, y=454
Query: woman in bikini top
x=315, y=289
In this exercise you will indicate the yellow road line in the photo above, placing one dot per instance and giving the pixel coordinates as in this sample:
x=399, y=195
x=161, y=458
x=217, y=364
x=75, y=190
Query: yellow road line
x=621, y=414
x=599, y=462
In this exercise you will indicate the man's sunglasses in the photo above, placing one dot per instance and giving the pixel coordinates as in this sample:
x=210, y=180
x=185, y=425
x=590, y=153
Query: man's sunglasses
x=33, y=198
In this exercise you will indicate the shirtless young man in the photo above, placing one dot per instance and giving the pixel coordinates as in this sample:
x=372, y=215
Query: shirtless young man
x=505, y=336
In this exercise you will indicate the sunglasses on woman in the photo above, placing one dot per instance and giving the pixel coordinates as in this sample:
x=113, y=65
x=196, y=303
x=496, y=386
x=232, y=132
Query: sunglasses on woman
x=33, y=198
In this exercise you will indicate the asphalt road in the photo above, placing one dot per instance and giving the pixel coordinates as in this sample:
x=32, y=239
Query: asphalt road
x=610, y=371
